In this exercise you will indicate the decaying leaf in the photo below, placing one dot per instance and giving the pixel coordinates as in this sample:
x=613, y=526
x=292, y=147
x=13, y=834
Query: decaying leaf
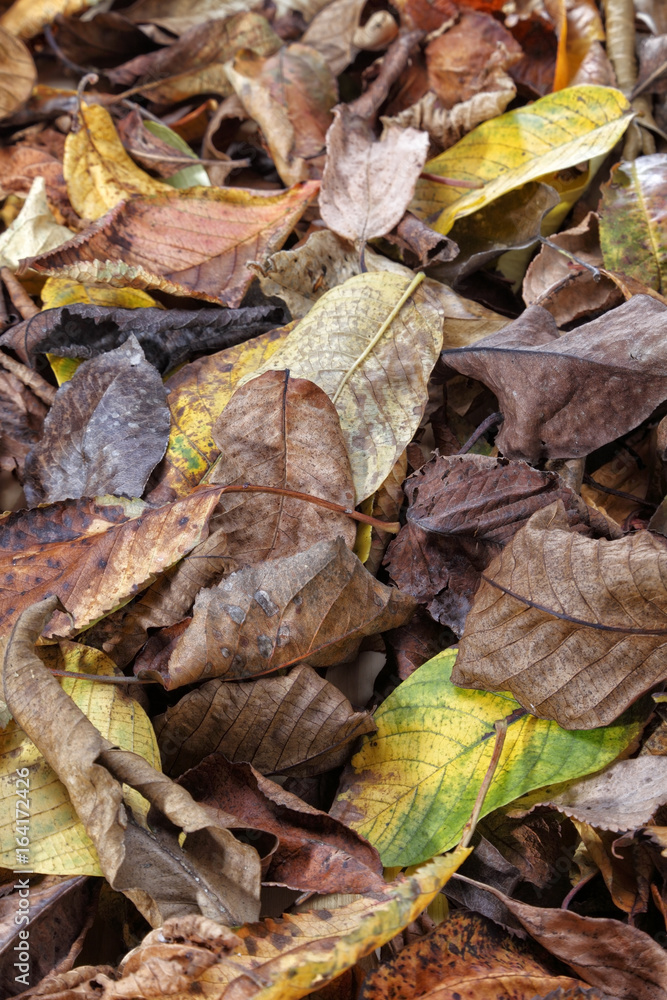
x=579, y=390
x=149, y=864
x=18, y=73
x=206, y=237
x=555, y=132
x=367, y=185
x=59, y=844
x=106, y=431
x=574, y=627
x=370, y=343
x=298, y=724
x=412, y=786
x=315, y=605
x=300, y=448
x=33, y=231
x=94, y=554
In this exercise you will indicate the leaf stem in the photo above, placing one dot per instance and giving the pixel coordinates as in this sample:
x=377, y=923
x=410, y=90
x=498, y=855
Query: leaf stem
x=501, y=732
x=414, y=284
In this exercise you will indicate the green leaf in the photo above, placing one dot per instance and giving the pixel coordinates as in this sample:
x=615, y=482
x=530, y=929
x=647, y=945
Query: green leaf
x=556, y=132
x=417, y=778
x=188, y=176
x=632, y=220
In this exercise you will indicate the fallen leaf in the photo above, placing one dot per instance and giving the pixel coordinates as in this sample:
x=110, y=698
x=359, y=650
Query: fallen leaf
x=59, y=844
x=461, y=511
x=98, y=171
x=26, y=18
x=158, y=148
x=313, y=852
x=315, y=605
x=178, y=16
x=100, y=41
x=652, y=65
x=622, y=797
x=196, y=396
x=167, y=337
x=530, y=614
x=301, y=448
x=556, y=132
x=105, y=432
x=617, y=958
x=21, y=418
x=468, y=953
x=332, y=33
x=206, y=238
x=579, y=30
x=21, y=163
x=149, y=865
x=18, y=73
x=364, y=194
x=632, y=220
x=288, y=956
x=377, y=385
x=411, y=788
x=33, y=231
x=298, y=724
x=570, y=404
x=94, y=555
x=59, y=292
x=195, y=63
x=290, y=95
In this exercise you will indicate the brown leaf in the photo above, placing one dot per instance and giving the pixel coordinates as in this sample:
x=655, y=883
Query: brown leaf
x=462, y=510
x=290, y=95
x=21, y=419
x=467, y=956
x=93, y=555
x=206, y=238
x=314, y=852
x=300, y=448
x=212, y=873
x=298, y=725
x=579, y=390
x=367, y=185
x=18, y=74
x=573, y=627
x=99, y=41
x=332, y=32
x=652, y=65
x=22, y=163
x=614, y=957
x=106, y=431
x=195, y=63
x=316, y=605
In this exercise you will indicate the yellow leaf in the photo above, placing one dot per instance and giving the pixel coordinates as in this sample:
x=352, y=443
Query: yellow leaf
x=372, y=348
x=197, y=395
x=26, y=18
x=59, y=844
x=415, y=781
x=556, y=132
x=63, y=368
x=98, y=171
x=66, y=292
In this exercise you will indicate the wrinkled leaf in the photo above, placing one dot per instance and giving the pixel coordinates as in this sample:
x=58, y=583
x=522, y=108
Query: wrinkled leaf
x=412, y=786
x=315, y=605
x=206, y=238
x=299, y=724
x=556, y=132
x=33, y=231
x=574, y=627
x=105, y=432
x=59, y=292
x=26, y=18
x=18, y=73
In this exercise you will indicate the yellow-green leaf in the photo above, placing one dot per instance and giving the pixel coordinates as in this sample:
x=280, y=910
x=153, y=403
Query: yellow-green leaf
x=377, y=383
x=417, y=778
x=59, y=844
x=66, y=292
x=556, y=132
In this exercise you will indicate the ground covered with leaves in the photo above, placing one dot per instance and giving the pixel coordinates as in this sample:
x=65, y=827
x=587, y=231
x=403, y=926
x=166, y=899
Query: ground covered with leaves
x=333, y=450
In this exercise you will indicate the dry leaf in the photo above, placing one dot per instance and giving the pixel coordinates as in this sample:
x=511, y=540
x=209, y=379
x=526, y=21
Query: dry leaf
x=332, y=32
x=18, y=73
x=106, y=431
x=573, y=627
x=300, y=448
x=26, y=18
x=206, y=238
x=570, y=403
x=33, y=231
x=299, y=724
x=149, y=865
x=367, y=185
x=315, y=605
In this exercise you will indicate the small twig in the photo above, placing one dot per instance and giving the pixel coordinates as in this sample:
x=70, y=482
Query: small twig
x=144, y=112
x=187, y=161
x=21, y=301
x=60, y=55
x=572, y=256
x=575, y=889
x=469, y=829
x=39, y=386
x=4, y=318
x=393, y=64
x=99, y=678
x=618, y=493
x=495, y=418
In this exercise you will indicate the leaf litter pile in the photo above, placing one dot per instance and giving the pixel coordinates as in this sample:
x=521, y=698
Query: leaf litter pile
x=333, y=450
